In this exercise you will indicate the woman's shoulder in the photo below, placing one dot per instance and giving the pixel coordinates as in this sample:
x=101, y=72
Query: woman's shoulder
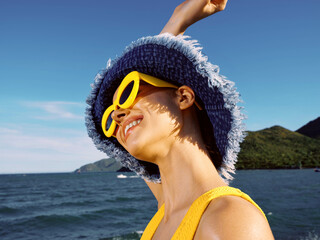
x=232, y=217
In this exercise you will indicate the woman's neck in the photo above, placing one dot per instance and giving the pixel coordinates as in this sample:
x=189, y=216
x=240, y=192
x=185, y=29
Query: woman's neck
x=186, y=173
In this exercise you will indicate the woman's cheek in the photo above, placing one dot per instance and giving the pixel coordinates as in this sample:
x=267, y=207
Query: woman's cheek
x=116, y=130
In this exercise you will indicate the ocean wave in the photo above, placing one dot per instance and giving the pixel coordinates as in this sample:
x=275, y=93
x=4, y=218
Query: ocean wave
x=122, y=199
x=311, y=236
x=54, y=219
x=130, y=236
x=115, y=211
x=85, y=203
x=9, y=210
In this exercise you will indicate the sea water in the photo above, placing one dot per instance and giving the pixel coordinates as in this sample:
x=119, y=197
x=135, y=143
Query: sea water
x=119, y=205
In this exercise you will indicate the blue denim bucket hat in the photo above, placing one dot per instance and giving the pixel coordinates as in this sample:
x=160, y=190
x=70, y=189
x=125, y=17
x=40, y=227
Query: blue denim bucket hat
x=179, y=60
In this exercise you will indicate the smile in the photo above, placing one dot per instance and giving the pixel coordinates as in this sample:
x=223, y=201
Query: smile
x=132, y=124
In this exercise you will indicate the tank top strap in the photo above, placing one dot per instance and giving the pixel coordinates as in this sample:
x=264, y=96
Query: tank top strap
x=191, y=220
x=153, y=224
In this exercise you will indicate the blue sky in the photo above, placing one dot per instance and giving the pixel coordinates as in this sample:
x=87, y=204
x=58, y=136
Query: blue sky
x=50, y=52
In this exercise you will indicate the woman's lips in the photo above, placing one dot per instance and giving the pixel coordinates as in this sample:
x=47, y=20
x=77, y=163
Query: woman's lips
x=130, y=131
x=127, y=129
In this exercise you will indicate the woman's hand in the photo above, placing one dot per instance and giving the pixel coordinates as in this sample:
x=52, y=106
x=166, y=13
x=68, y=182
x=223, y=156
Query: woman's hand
x=191, y=11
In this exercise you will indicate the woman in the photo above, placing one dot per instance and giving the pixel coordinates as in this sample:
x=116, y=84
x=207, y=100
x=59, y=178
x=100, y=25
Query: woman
x=164, y=111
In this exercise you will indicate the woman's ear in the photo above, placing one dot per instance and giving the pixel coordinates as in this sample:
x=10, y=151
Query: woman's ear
x=185, y=96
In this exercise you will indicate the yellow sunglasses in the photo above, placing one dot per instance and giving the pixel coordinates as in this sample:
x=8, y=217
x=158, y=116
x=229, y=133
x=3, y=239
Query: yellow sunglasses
x=127, y=93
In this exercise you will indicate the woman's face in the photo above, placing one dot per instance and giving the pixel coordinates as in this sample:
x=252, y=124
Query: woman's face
x=148, y=127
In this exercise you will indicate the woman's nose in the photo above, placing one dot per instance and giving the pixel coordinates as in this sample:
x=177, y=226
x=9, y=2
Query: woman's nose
x=119, y=114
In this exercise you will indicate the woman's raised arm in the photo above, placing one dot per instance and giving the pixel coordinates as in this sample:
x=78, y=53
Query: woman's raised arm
x=191, y=11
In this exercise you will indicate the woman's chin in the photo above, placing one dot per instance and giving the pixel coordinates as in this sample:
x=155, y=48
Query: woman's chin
x=139, y=149
x=144, y=144
x=134, y=145
x=138, y=153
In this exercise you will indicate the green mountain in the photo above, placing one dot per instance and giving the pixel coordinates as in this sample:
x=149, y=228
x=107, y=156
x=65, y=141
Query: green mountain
x=103, y=165
x=277, y=147
x=311, y=129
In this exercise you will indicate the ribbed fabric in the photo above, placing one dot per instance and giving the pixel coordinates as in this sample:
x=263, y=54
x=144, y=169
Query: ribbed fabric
x=190, y=222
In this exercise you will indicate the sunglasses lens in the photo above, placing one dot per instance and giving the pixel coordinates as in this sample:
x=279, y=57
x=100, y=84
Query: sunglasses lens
x=126, y=93
x=109, y=121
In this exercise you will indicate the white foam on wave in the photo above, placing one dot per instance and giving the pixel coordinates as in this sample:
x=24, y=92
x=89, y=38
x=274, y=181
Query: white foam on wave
x=310, y=236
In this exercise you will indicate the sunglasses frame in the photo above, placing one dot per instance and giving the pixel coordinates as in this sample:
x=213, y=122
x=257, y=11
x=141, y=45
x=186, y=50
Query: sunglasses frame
x=135, y=77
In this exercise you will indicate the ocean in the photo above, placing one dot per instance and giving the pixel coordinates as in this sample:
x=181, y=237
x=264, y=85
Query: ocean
x=106, y=206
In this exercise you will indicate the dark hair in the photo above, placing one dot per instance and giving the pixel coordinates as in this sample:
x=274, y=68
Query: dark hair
x=207, y=133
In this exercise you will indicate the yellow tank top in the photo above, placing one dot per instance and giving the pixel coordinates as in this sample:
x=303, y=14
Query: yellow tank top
x=189, y=223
